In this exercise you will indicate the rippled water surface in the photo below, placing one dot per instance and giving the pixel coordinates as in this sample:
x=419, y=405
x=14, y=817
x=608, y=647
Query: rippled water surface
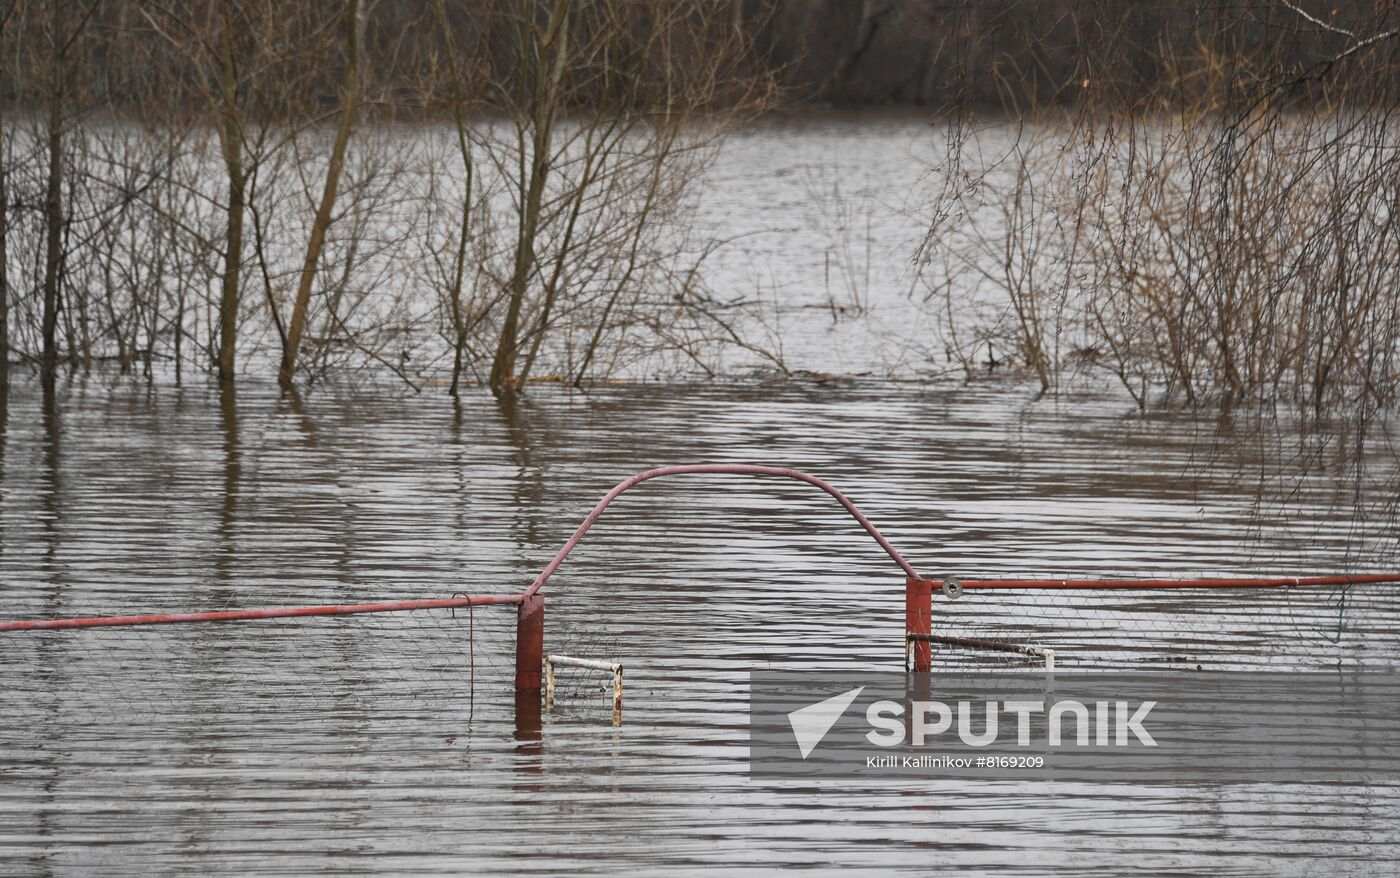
x=393, y=744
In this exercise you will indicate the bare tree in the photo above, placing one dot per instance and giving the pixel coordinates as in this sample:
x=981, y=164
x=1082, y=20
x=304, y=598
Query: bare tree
x=6, y=140
x=65, y=25
x=463, y=97
x=606, y=104
x=237, y=49
x=349, y=102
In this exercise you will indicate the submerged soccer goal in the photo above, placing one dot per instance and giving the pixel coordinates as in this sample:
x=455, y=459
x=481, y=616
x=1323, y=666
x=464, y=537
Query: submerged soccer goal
x=416, y=658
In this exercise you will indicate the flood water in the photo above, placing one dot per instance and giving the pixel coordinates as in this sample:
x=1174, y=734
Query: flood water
x=393, y=743
x=379, y=744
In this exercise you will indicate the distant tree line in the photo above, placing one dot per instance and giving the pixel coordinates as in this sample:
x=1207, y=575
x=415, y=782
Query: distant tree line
x=989, y=53
x=1018, y=53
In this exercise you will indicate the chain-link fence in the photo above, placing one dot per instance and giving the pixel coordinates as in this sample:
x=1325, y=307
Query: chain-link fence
x=1306, y=627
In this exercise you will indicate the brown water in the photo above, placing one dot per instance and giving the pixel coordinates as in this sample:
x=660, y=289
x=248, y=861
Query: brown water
x=393, y=744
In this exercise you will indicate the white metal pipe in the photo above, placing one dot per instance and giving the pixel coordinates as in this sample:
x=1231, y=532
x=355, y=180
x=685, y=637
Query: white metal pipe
x=614, y=668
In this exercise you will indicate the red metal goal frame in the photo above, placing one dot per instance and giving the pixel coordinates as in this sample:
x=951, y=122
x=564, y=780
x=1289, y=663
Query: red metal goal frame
x=529, y=657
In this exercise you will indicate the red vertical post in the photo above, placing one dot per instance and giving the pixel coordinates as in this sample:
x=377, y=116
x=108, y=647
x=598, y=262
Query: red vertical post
x=918, y=619
x=529, y=644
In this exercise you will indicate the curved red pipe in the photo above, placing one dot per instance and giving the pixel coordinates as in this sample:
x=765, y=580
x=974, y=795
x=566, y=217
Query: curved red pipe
x=733, y=469
x=784, y=472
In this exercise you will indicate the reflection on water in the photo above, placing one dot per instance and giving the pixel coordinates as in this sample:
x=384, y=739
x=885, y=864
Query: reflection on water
x=395, y=744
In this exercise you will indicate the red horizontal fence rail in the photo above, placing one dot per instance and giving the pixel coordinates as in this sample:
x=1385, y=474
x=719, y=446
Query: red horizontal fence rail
x=918, y=594
x=255, y=614
x=1218, y=582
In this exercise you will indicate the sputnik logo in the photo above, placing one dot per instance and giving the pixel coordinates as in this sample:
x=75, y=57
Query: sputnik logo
x=811, y=723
